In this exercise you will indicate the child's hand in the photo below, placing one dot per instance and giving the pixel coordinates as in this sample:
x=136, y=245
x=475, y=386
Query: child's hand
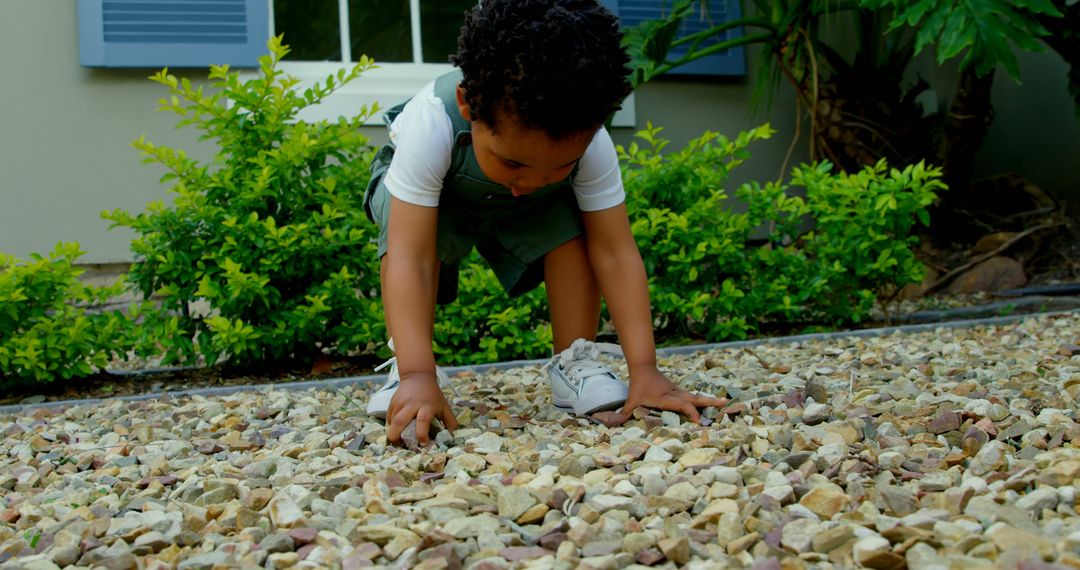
x=650, y=388
x=418, y=397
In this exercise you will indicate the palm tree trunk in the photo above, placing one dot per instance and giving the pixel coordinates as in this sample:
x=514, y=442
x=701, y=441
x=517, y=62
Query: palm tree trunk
x=965, y=130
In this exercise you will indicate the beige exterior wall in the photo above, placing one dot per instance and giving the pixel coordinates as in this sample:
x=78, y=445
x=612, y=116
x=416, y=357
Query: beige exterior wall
x=65, y=139
x=65, y=151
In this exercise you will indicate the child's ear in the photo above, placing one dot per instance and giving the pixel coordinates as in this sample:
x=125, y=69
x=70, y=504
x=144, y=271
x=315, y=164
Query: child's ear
x=463, y=107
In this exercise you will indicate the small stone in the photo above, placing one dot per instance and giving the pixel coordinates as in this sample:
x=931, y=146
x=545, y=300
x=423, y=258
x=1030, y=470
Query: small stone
x=1006, y=537
x=876, y=552
x=815, y=413
x=205, y=561
x=600, y=548
x=486, y=443
x=514, y=501
x=900, y=501
x=605, y=503
x=742, y=544
x=609, y=419
x=635, y=542
x=682, y=492
x=670, y=419
x=519, y=553
x=825, y=502
x=284, y=559
x=552, y=540
x=534, y=514
x=991, y=457
x=676, y=550
x=657, y=453
x=945, y=421
x=280, y=542
x=648, y=557
x=399, y=544
x=303, y=535
x=284, y=513
x=1035, y=501
x=153, y=540
x=828, y=540
x=782, y=493
x=1061, y=473
x=258, y=498
x=697, y=457
x=466, y=527
x=798, y=535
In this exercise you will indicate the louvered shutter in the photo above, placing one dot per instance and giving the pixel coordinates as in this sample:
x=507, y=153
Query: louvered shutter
x=175, y=33
x=730, y=62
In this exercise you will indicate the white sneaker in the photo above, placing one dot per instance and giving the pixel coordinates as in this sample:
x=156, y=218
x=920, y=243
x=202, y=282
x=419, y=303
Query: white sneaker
x=379, y=402
x=582, y=383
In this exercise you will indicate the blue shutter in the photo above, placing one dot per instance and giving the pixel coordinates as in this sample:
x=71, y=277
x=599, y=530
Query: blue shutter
x=175, y=33
x=729, y=62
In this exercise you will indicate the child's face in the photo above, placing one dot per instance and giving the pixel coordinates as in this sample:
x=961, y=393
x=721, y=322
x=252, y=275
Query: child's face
x=520, y=158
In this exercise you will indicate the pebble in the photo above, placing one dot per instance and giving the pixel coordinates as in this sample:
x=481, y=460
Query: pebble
x=951, y=448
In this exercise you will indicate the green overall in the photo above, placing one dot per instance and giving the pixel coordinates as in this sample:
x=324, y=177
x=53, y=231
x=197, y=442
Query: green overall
x=512, y=233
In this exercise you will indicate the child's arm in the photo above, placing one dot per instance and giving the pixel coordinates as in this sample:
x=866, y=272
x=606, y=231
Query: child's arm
x=621, y=274
x=410, y=280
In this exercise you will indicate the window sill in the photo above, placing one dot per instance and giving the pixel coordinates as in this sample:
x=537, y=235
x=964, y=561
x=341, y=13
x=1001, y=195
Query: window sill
x=387, y=85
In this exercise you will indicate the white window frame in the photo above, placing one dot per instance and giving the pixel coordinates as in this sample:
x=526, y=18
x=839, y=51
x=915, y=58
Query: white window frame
x=386, y=85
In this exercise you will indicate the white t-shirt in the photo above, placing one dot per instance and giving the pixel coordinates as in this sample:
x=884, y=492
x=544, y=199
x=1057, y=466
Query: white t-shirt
x=424, y=138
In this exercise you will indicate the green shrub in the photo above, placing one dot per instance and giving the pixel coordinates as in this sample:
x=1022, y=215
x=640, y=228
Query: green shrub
x=719, y=274
x=270, y=234
x=486, y=325
x=46, y=332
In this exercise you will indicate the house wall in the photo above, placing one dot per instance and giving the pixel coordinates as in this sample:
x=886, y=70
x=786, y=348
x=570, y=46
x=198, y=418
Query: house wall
x=65, y=132
x=65, y=153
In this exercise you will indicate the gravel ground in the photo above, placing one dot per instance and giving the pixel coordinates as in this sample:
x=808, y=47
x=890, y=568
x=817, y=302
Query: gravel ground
x=949, y=449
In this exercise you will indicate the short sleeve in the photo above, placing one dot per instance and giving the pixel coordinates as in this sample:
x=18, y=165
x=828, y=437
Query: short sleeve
x=423, y=137
x=598, y=184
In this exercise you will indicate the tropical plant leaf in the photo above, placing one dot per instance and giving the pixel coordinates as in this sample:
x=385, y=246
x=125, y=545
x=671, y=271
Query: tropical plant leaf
x=984, y=32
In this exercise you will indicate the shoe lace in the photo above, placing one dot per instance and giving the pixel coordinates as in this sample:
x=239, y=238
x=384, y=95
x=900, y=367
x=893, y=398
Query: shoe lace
x=581, y=359
x=444, y=380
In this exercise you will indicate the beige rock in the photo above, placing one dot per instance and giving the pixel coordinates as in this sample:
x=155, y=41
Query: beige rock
x=830, y=539
x=284, y=513
x=676, y=550
x=400, y=544
x=284, y=559
x=1006, y=537
x=729, y=528
x=1062, y=473
x=635, y=542
x=741, y=544
x=534, y=514
x=514, y=501
x=825, y=502
x=702, y=456
x=471, y=526
x=381, y=534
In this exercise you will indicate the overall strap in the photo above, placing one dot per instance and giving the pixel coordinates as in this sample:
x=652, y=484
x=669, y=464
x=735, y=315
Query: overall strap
x=446, y=90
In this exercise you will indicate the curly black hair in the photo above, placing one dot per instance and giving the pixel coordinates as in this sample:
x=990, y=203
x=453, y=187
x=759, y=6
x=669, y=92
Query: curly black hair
x=556, y=65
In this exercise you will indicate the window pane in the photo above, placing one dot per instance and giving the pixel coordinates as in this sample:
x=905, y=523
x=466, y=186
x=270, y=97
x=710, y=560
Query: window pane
x=381, y=30
x=311, y=29
x=440, y=21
